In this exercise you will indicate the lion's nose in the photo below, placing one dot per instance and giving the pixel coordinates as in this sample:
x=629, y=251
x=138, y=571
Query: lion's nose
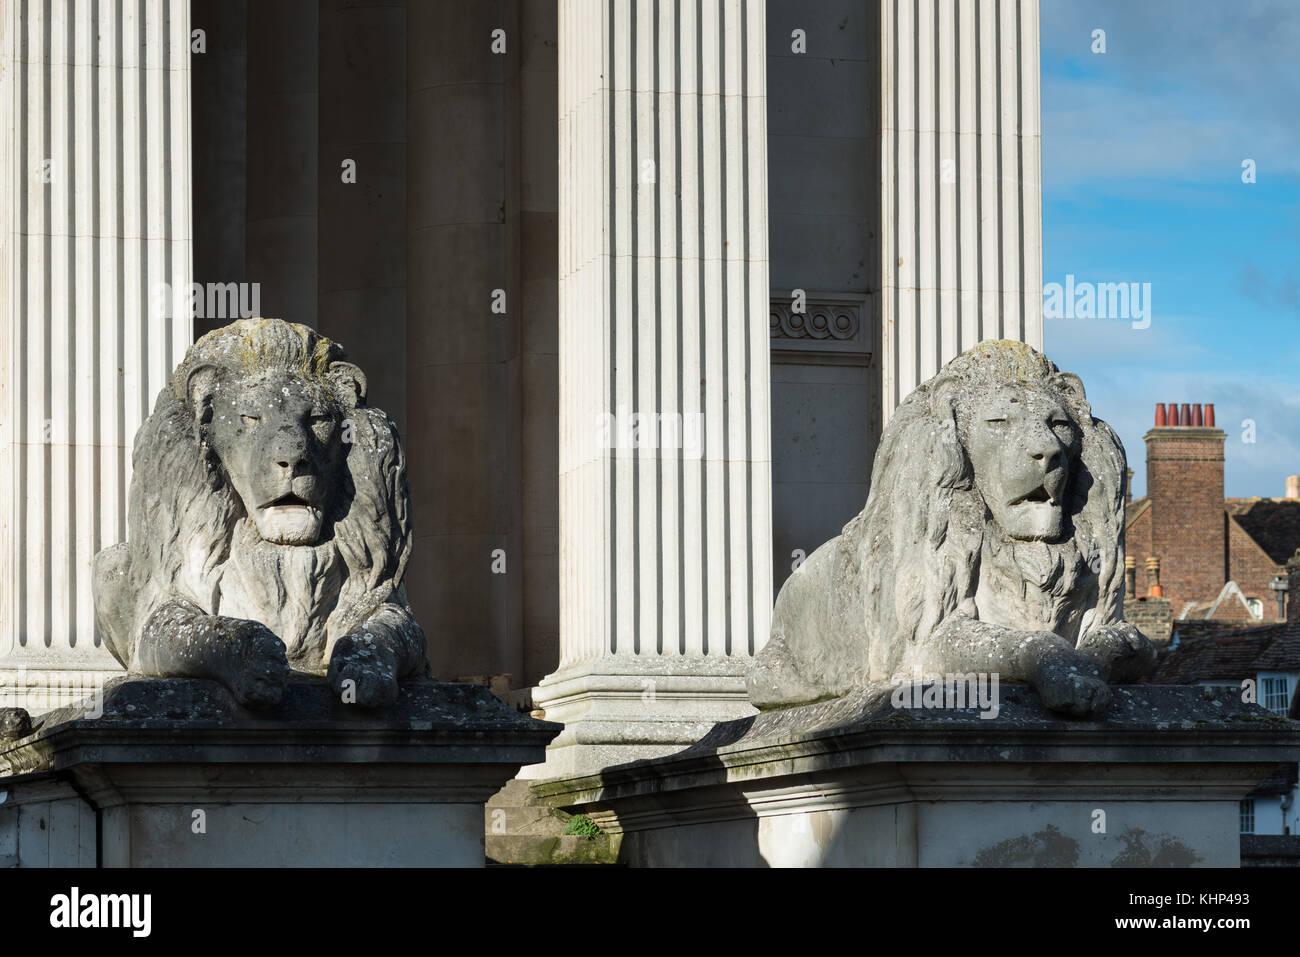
x=1044, y=449
x=291, y=464
x=1049, y=460
x=289, y=454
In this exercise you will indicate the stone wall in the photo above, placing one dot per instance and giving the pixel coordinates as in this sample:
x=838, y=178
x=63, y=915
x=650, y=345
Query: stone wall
x=823, y=211
x=1151, y=616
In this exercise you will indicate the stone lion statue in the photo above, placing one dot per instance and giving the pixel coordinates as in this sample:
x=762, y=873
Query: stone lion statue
x=992, y=541
x=268, y=526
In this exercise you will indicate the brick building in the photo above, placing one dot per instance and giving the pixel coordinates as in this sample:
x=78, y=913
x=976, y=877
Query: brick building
x=1206, y=555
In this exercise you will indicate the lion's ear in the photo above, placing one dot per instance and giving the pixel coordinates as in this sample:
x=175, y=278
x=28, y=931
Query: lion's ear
x=351, y=380
x=1072, y=386
x=943, y=398
x=1071, y=383
x=952, y=465
x=200, y=384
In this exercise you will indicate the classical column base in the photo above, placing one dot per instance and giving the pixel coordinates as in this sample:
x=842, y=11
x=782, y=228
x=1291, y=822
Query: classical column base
x=625, y=708
x=175, y=774
x=855, y=782
x=40, y=679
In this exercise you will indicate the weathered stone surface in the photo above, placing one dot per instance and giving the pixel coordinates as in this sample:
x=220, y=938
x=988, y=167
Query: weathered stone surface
x=179, y=719
x=14, y=723
x=870, y=714
x=524, y=831
x=177, y=773
x=856, y=781
x=991, y=541
x=1133, y=708
x=269, y=526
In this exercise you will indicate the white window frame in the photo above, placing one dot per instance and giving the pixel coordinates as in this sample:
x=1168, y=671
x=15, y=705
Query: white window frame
x=1273, y=699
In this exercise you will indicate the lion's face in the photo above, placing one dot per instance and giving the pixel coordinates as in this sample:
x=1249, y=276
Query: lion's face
x=278, y=437
x=1023, y=444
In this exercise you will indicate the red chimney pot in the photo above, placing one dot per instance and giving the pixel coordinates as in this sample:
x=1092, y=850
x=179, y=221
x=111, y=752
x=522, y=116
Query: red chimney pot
x=1209, y=415
x=1185, y=414
x=1196, y=416
x=1173, y=413
x=1160, y=413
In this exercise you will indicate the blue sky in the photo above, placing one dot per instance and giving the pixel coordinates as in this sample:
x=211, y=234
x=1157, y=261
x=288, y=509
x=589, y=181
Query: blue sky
x=1142, y=182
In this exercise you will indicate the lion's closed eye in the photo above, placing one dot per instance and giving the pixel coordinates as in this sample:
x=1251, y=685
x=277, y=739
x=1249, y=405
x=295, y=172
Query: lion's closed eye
x=322, y=426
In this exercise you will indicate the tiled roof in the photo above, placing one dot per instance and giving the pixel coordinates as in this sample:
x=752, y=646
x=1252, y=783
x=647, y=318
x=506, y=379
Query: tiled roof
x=1274, y=523
x=1284, y=653
x=1281, y=781
x=1214, y=657
x=1190, y=629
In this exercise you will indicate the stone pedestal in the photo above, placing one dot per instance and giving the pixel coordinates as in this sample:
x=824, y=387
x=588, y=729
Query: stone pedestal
x=619, y=709
x=857, y=782
x=174, y=774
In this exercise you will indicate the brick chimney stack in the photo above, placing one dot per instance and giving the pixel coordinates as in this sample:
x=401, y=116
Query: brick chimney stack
x=1185, y=488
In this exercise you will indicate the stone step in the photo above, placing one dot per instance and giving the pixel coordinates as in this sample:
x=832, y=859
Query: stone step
x=522, y=831
x=568, y=850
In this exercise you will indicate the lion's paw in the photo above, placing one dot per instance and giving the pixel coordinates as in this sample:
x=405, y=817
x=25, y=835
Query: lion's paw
x=362, y=673
x=260, y=668
x=15, y=723
x=1066, y=688
x=1123, y=652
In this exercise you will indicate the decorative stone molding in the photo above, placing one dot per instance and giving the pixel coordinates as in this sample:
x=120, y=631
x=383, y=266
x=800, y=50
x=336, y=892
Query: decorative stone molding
x=832, y=328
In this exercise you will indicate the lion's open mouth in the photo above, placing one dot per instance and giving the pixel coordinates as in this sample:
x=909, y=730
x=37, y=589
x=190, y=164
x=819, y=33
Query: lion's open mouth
x=289, y=500
x=1039, y=495
x=289, y=520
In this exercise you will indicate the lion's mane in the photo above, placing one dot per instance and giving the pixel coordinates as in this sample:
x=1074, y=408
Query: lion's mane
x=856, y=610
x=184, y=513
x=920, y=538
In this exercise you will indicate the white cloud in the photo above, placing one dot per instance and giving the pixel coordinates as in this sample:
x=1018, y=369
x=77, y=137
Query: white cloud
x=1182, y=91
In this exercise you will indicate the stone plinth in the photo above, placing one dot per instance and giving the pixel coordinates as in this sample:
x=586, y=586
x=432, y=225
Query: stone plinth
x=175, y=774
x=856, y=782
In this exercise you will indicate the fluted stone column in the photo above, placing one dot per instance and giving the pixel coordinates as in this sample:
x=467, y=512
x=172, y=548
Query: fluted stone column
x=665, y=542
x=94, y=217
x=961, y=230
